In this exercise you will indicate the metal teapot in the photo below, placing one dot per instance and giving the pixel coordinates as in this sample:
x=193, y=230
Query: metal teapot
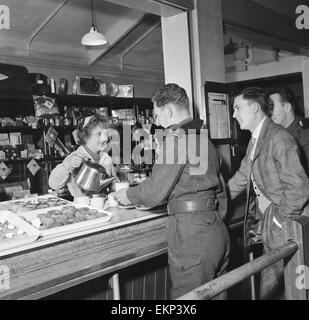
x=91, y=176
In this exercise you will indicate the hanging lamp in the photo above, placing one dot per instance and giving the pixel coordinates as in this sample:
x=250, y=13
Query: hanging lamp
x=93, y=37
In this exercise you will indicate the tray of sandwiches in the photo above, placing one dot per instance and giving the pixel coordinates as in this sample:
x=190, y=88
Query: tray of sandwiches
x=33, y=203
x=15, y=232
x=65, y=219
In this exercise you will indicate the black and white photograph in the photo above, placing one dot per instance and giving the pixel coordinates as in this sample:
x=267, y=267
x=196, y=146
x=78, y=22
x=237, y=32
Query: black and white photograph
x=154, y=153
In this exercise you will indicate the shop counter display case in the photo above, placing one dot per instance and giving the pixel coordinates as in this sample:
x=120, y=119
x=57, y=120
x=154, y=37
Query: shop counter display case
x=55, y=261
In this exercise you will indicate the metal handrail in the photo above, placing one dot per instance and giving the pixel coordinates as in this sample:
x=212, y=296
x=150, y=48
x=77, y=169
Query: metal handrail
x=218, y=285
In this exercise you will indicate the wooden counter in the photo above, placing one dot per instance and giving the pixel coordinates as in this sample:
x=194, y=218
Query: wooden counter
x=54, y=264
x=51, y=265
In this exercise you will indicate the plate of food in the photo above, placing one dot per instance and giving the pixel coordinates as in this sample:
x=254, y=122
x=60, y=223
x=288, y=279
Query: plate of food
x=15, y=232
x=33, y=203
x=66, y=219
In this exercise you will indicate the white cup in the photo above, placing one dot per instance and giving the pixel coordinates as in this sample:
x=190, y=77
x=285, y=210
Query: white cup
x=97, y=202
x=83, y=201
x=112, y=201
x=121, y=185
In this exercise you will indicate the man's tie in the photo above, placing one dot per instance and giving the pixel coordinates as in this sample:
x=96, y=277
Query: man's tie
x=253, y=141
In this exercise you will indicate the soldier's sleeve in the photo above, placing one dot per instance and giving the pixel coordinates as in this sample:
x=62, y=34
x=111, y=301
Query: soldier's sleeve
x=222, y=198
x=237, y=184
x=156, y=188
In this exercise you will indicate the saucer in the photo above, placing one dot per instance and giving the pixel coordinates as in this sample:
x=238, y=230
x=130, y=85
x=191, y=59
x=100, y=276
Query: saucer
x=130, y=206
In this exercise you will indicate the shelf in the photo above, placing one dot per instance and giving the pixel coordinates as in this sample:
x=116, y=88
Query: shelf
x=23, y=160
x=30, y=130
x=110, y=102
x=62, y=128
x=16, y=95
x=18, y=129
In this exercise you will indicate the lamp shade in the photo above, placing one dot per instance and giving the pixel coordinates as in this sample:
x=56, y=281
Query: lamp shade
x=93, y=38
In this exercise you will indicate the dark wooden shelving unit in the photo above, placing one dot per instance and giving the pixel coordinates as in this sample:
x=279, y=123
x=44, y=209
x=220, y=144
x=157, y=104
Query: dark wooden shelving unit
x=23, y=160
x=7, y=129
x=13, y=104
x=99, y=101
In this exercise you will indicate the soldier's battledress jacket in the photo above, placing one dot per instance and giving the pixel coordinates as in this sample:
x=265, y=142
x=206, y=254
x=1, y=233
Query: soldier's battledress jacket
x=198, y=241
x=175, y=181
x=299, y=129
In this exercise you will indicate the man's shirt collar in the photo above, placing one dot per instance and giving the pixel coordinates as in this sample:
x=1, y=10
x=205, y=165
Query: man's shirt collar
x=257, y=130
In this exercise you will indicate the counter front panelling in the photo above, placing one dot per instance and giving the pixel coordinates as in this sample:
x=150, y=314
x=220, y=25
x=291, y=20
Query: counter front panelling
x=53, y=265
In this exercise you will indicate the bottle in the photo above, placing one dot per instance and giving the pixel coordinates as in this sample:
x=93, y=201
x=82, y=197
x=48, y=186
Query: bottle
x=148, y=116
x=46, y=122
x=103, y=112
x=74, y=118
x=66, y=117
x=141, y=119
x=61, y=121
x=57, y=121
x=75, y=85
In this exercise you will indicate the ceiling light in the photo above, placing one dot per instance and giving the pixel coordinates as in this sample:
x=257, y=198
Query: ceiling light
x=93, y=37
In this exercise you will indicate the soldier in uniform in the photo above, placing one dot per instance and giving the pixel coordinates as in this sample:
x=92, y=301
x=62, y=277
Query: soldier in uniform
x=283, y=105
x=198, y=241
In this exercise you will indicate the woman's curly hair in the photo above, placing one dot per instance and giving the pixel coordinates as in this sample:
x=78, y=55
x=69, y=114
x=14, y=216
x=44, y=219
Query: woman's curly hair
x=84, y=130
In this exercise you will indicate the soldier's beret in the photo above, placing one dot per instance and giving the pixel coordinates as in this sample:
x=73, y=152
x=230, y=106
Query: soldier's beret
x=304, y=123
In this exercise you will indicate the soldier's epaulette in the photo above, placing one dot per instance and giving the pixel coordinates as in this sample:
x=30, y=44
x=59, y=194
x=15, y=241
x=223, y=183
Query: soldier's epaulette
x=304, y=123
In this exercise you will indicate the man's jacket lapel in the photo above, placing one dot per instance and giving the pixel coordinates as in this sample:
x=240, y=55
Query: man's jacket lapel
x=261, y=139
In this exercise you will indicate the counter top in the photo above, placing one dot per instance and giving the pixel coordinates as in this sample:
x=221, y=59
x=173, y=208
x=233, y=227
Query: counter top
x=120, y=218
x=51, y=265
x=57, y=263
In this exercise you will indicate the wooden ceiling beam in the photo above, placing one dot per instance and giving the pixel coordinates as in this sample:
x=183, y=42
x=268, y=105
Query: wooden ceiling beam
x=157, y=7
x=180, y=4
x=142, y=5
x=116, y=32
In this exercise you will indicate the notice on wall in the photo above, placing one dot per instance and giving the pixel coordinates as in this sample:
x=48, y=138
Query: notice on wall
x=33, y=167
x=219, y=116
x=51, y=136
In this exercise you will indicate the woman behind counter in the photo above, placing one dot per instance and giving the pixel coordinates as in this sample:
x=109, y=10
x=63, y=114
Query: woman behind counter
x=94, y=138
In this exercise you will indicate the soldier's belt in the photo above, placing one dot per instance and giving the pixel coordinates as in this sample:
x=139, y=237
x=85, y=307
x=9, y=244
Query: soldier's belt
x=193, y=206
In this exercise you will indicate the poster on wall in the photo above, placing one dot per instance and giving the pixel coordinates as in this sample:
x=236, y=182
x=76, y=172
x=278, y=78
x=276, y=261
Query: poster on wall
x=219, y=117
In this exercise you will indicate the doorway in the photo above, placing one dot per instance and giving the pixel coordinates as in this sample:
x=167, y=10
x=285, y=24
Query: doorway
x=294, y=81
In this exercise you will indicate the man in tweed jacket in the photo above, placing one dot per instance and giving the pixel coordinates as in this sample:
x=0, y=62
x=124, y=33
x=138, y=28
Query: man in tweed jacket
x=272, y=168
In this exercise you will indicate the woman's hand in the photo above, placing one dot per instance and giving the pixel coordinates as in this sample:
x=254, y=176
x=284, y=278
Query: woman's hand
x=75, y=161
